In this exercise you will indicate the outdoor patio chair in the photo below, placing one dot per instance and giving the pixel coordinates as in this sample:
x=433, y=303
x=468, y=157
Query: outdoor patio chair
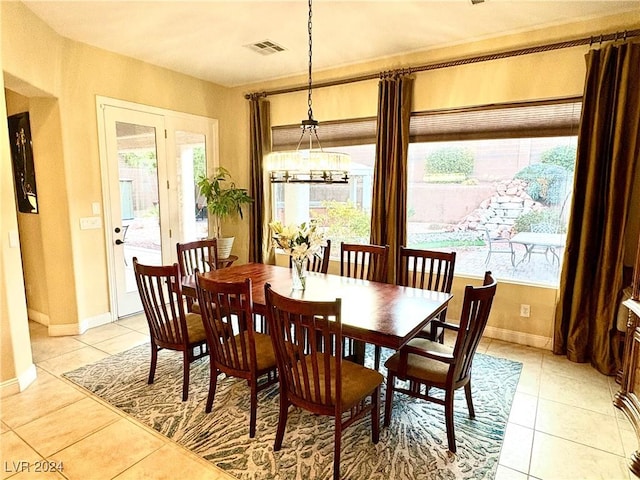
x=545, y=227
x=498, y=244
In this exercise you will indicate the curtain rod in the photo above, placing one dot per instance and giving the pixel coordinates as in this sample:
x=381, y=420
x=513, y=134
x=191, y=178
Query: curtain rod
x=454, y=63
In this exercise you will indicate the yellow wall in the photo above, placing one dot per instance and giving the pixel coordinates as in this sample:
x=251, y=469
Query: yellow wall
x=61, y=79
x=16, y=365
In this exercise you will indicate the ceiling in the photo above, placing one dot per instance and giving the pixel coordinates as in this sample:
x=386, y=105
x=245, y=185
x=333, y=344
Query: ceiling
x=207, y=39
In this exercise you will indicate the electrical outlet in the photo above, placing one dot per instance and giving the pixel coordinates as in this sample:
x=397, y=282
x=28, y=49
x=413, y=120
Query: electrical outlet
x=525, y=310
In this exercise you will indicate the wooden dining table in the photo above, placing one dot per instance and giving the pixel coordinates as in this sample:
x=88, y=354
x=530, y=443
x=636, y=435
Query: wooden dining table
x=382, y=314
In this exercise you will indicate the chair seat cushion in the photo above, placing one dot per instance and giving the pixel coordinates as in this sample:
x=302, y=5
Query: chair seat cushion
x=265, y=356
x=195, y=328
x=428, y=369
x=357, y=381
x=195, y=307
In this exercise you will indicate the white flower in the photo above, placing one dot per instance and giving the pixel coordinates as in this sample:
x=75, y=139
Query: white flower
x=301, y=241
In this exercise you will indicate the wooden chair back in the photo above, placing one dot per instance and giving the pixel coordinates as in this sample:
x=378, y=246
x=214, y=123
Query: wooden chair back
x=429, y=270
x=162, y=300
x=236, y=348
x=160, y=289
x=426, y=269
x=366, y=262
x=201, y=255
x=307, y=339
x=227, y=313
x=442, y=367
x=476, y=307
x=320, y=261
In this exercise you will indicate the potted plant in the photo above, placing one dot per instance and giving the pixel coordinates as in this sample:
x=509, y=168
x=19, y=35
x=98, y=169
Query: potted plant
x=224, y=200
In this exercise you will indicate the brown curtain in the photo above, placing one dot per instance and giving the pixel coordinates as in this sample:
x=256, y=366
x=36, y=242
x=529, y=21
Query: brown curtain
x=260, y=250
x=608, y=149
x=389, y=202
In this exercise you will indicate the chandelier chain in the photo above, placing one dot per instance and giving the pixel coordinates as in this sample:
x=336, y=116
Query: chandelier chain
x=309, y=25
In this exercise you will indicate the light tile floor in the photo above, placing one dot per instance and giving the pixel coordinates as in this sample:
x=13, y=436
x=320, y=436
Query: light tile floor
x=563, y=424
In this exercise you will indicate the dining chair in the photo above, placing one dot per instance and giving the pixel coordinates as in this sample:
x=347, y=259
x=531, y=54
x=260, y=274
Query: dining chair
x=368, y=262
x=320, y=261
x=429, y=270
x=313, y=374
x=237, y=350
x=160, y=290
x=201, y=255
x=427, y=364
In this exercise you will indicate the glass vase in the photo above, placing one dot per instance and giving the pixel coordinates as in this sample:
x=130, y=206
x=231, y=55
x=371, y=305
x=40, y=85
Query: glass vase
x=299, y=273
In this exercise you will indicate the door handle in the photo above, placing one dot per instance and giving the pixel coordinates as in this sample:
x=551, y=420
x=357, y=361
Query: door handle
x=119, y=242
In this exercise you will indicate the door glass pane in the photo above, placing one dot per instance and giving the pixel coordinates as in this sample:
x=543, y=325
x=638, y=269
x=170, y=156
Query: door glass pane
x=138, y=175
x=191, y=164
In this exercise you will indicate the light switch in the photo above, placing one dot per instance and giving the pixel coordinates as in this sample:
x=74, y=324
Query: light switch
x=14, y=239
x=95, y=208
x=90, y=223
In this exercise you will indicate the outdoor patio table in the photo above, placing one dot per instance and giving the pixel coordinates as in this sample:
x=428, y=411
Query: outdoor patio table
x=551, y=242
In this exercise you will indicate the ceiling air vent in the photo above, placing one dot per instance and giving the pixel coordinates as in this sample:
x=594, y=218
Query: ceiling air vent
x=266, y=47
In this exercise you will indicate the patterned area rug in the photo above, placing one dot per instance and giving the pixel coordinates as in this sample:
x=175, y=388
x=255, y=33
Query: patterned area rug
x=413, y=447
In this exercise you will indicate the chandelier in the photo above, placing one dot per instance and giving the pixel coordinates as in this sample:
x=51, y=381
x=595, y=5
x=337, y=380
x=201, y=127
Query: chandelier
x=312, y=164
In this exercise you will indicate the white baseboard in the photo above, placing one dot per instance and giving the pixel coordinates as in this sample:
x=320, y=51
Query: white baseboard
x=19, y=384
x=79, y=328
x=38, y=317
x=520, y=338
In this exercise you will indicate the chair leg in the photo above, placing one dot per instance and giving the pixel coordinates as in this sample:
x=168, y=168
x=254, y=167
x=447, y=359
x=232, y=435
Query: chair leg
x=391, y=379
x=375, y=415
x=185, y=375
x=154, y=362
x=448, y=414
x=213, y=383
x=467, y=393
x=254, y=407
x=377, y=353
x=336, y=448
x=282, y=422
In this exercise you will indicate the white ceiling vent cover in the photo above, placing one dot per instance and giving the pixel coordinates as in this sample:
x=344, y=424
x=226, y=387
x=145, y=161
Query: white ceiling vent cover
x=266, y=47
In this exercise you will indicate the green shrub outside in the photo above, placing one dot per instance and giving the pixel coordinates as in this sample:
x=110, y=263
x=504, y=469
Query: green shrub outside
x=523, y=222
x=449, y=160
x=546, y=183
x=562, y=155
x=344, y=221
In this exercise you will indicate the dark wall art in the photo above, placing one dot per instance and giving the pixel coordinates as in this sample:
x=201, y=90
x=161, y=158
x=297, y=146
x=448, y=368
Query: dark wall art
x=22, y=155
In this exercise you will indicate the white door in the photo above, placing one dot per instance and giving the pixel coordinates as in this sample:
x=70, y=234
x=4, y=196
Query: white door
x=139, y=208
x=151, y=160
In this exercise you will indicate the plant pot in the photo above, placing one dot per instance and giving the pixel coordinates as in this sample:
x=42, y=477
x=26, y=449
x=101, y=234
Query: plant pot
x=224, y=246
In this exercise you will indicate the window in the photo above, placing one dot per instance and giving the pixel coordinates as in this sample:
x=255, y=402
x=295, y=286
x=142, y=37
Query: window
x=342, y=210
x=477, y=177
x=480, y=177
